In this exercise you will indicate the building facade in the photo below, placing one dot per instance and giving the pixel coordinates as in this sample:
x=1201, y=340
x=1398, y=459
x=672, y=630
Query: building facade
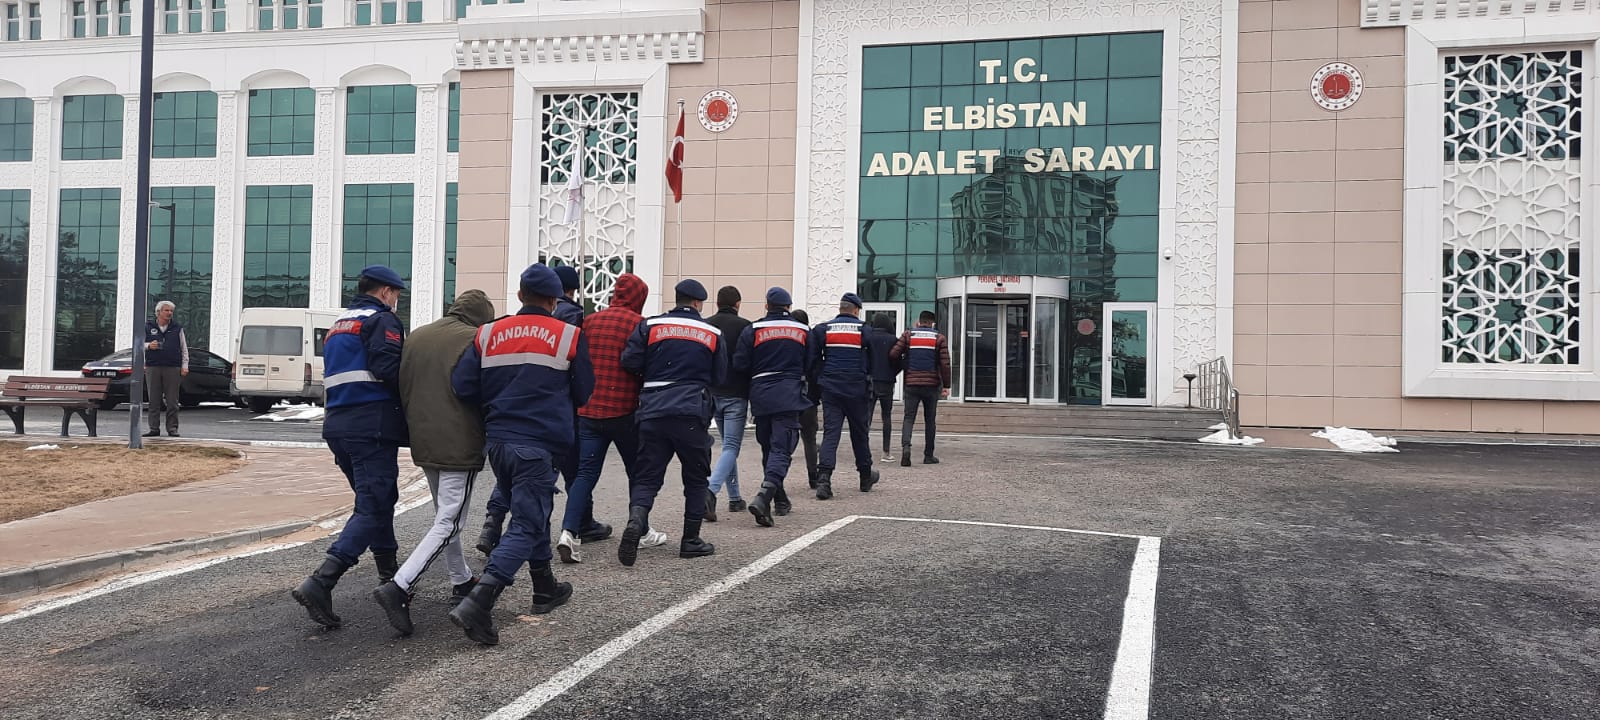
x=1372, y=209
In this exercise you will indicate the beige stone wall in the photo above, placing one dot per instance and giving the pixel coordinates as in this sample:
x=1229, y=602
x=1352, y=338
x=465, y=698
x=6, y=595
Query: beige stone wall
x=483, y=209
x=1318, y=260
x=738, y=204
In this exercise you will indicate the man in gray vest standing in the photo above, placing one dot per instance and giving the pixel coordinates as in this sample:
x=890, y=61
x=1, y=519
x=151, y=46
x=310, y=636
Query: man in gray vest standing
x=166, y=360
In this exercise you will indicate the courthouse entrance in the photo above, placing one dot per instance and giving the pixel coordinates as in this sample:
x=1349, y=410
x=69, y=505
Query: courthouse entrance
x=1005, y=336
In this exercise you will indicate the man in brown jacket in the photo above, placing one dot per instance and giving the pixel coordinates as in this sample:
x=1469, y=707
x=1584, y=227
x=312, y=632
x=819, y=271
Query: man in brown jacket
x=447, y=444
x=925, y=355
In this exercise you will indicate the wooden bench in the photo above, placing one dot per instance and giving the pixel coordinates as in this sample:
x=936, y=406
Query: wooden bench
x=73, y=395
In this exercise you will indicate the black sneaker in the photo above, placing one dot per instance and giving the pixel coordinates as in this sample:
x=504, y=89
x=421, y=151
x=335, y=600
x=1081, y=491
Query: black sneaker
x=905, y=458
x=595, y=533
x=152, y=433
x=460, y=592
x=868, y=479
x=173, y=433
x=736, y=506
x=711, y=507
x=928, y=460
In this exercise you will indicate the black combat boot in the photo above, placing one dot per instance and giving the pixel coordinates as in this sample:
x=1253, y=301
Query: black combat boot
x=396, y=604
x=692, y=546
x=711, y=506
x=638, y=525
x=824, y=484
x=905, y=456
x=490, y=537
x=868, y=479
x=388, y=566
x=459, y=592
x=547, y=593
x=475, y=614
x=761, y=507
x=780, y=503
x=930, y=460
x=316, y=592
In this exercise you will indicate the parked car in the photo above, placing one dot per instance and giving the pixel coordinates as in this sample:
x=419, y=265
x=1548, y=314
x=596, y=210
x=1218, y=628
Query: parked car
x=280, y=355
x=207, y=381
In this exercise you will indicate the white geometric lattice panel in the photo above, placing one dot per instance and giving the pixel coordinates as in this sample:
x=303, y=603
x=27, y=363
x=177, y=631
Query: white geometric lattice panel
x=1513, y=190
x=605, y=247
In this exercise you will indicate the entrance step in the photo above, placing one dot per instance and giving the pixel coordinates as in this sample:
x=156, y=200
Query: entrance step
x=1076, y=421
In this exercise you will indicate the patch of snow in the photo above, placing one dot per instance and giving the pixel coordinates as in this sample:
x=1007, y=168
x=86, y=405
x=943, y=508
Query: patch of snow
x=44, y=447
x=1220, y=437
x=293, y=413
x=1353, y=440
x=1218, y=426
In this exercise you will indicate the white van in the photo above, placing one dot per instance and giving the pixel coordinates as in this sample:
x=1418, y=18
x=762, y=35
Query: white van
x=279, y=355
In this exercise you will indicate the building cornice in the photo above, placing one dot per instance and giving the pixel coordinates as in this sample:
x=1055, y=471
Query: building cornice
x=504, y=40
x=252, y=40
x=1396, y=13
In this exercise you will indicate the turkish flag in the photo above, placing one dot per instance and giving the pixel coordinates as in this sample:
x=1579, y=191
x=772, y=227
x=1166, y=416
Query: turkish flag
x=675, y=162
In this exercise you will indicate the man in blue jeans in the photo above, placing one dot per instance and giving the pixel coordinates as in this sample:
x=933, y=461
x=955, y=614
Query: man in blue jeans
x=732, y=407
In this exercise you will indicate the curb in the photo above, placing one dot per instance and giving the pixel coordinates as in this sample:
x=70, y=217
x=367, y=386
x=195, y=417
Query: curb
x=38, y=577
x=15, y=583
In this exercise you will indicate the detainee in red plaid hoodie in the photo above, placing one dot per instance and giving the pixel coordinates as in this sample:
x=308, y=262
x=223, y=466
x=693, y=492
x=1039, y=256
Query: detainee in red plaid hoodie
x=608, y=417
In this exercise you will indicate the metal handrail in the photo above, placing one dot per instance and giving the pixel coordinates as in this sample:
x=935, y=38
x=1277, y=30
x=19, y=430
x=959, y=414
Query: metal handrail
x=1218, y=393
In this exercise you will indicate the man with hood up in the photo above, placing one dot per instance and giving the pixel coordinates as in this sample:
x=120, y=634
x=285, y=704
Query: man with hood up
x=607, y=418
x=449, y=450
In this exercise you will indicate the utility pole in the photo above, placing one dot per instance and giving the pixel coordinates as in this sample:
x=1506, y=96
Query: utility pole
x=141, y=227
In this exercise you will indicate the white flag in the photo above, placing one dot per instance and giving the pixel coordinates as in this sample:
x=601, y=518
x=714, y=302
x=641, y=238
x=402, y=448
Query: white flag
x=575, y=182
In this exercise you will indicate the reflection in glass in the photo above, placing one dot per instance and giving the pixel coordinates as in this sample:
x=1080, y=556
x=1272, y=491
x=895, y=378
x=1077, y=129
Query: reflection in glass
x=1130, y=350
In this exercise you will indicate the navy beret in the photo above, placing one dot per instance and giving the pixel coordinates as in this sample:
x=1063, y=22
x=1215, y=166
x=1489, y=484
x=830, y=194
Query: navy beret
x=779, y=296
x=539, y=279
x=851, y=298
x=384, y=275
x=691, y=288
x=569, y=277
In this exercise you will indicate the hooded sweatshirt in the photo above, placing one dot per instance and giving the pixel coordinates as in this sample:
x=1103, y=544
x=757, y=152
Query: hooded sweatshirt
x=616, y=391
x=449, y=433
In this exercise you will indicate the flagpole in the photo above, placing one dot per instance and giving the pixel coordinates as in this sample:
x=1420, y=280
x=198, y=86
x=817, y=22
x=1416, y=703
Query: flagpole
x=681, y=274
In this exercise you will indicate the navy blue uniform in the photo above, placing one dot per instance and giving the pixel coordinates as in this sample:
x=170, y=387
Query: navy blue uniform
x=570, y=313
x=680, y=356
x=364, y=423
x=842, y=365
x=773, y=355
x=530, y=372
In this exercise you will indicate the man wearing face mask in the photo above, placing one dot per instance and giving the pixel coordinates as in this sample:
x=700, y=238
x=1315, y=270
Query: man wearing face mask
x=365, y=426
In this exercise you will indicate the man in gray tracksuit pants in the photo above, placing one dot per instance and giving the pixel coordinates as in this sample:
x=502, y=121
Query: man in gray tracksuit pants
x=447, y=445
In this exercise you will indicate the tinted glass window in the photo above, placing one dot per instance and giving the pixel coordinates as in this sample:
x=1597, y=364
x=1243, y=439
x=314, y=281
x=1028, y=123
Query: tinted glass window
x=270, y=340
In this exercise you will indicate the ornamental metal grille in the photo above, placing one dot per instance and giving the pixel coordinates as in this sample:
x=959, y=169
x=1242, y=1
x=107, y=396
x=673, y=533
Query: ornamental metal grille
x=1513, y=193
x=609, y=124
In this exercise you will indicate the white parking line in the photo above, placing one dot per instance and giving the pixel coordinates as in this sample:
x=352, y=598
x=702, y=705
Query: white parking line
x=1127, y=699
x=588, y=664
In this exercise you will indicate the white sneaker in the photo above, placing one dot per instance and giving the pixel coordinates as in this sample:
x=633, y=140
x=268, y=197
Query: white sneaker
x=653, y=538
x=568, y=548
x=890, y=459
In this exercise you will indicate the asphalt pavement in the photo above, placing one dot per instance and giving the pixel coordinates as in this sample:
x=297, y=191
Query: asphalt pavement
x=1442, y=582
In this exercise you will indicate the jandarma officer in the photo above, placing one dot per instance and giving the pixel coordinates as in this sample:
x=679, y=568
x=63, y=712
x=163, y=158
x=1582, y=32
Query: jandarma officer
x=680, y=356
x=773, y=356
x=365, y=427
x=530, y=372
x=842, y=366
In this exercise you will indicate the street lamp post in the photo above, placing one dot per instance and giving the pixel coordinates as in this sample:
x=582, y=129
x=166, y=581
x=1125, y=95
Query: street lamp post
x=141, y=227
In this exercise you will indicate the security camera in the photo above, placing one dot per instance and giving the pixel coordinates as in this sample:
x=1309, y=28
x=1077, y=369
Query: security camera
x=1166, y=253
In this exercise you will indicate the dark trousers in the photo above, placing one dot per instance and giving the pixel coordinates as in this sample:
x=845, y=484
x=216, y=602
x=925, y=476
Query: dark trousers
x=928, y=397
x=885, y=394
x=808, y=438
x=499, y=503
x=777, y=435
x=836, y=409
x=595, y=437
x=373, y=470
x=525, y=474
x=162, y=389
x=660, y=439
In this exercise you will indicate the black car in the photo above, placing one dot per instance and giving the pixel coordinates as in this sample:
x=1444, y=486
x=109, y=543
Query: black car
x=207, y=380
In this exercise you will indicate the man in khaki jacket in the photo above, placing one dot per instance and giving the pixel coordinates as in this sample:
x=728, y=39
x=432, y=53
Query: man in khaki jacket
x=447, y=444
